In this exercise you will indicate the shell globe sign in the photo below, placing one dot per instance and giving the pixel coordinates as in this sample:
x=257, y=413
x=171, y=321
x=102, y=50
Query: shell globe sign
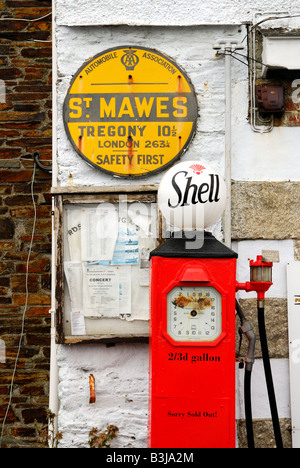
x=192, y=196
x=130, y=111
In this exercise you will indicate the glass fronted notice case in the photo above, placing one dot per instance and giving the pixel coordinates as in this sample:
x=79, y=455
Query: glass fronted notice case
x=103, y=246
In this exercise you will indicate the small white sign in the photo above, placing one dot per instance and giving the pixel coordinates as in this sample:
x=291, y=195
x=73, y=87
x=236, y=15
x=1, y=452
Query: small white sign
x=293, y=289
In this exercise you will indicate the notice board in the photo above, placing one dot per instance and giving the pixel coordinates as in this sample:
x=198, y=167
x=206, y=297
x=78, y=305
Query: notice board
x=102, y=251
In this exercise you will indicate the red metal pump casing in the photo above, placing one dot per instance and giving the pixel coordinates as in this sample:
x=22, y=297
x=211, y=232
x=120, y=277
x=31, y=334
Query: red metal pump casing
x=192, y=383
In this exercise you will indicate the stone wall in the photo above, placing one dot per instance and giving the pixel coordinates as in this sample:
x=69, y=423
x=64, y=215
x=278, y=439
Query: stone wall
x=25, y=127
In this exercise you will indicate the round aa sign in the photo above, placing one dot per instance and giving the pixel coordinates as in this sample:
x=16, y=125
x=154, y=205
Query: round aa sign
x=191, y=196
x=130, y=111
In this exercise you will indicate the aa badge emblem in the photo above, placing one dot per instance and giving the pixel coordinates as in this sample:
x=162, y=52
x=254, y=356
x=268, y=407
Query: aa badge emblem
x=130, y=59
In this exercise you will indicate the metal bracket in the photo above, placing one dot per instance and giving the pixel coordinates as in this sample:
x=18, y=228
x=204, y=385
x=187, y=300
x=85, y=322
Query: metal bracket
x=227, y=44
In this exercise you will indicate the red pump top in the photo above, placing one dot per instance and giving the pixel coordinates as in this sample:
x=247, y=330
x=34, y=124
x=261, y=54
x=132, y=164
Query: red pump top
x=260, y=277
x=259, y=262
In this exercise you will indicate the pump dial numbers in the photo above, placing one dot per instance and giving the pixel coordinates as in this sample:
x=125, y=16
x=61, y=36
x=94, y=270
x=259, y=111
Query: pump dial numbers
x=194, y=313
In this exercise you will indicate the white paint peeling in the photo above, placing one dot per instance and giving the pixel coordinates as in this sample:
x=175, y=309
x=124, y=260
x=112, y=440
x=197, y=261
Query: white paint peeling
x=121, y=386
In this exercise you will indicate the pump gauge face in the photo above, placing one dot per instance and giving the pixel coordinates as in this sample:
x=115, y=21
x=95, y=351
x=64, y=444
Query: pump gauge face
x=194, y=313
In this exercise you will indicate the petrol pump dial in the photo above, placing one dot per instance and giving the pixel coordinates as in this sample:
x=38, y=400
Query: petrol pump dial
x=194, y=313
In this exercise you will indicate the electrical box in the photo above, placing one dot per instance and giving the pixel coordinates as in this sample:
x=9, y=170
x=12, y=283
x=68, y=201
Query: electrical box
x=192, y=359
x=270, y=99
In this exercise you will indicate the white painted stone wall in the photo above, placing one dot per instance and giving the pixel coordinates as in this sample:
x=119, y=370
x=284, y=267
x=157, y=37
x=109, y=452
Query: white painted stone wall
x=121, y=383
x=166, y=12
x=186, y=31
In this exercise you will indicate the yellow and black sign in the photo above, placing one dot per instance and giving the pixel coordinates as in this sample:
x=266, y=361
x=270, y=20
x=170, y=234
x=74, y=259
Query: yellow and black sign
x=130, y=111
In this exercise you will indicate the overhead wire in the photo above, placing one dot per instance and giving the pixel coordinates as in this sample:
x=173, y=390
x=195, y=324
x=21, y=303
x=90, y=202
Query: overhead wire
x=242, y=55
x=254, y=26
x=252, y=70
x=231, y=55
x=249, y=58
x=270, y=18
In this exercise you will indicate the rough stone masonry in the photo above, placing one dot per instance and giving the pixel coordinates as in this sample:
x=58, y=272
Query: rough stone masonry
x=25, y=127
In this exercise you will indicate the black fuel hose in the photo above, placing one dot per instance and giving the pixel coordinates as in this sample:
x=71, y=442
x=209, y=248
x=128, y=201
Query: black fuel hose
x=248, y=408
x=268, y=375
x=247, y=329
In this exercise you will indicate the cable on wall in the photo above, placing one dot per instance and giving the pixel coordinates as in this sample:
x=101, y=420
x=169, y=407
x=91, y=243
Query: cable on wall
x=36, y=163
x=252, y=61
x=36, y=157
x=270, y=18
x=26, y=20
x=25, y=306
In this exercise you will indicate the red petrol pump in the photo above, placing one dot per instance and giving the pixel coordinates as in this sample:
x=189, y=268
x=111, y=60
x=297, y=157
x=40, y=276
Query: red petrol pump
x=192, y=339
x=192, y=401
x=192, y=324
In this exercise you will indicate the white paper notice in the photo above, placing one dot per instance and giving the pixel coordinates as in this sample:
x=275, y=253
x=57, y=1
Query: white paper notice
x=125, y=292
x=74, y=233
x=77, y=323
x=140, y=216
x=139, y=297
x=73, y=273
x=99, y=232
x=127, y=243
x=101, y=294
x=146, y=245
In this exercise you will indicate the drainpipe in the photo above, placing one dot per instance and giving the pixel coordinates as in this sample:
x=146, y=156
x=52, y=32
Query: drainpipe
x=228, y=143
x=226, y=47
x=53, y=385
